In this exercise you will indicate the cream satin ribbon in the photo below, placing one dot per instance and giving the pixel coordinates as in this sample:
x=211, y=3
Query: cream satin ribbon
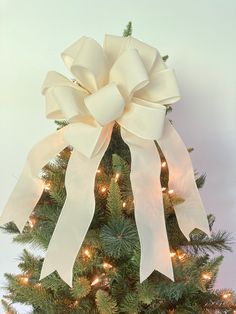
x=125, y=81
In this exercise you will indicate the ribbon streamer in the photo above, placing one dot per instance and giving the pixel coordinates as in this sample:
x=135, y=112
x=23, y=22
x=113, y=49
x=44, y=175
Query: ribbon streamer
x=125, y=81
x=146, y=186
x=181, y=179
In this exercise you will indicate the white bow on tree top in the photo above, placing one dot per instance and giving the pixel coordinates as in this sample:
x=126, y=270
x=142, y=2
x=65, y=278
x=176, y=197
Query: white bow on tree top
x=125, y=81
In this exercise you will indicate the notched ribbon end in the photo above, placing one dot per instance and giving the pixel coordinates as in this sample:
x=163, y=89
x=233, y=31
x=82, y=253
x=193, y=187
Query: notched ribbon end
x=166, y=271
x=66, y=278
x=169, y=273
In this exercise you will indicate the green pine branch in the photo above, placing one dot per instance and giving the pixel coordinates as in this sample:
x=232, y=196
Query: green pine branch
x=119, y=237
x=200, y=181
x=81, y=288
x=61, y=123
x=128, y=30
x=146, y=292
x=130, y=303
x=200, y=243
x=105, y=303
x=114, y=202
x=10, y=228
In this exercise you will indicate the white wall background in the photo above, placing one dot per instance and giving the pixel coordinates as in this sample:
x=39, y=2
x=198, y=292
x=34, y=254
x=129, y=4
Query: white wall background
x=199, y=37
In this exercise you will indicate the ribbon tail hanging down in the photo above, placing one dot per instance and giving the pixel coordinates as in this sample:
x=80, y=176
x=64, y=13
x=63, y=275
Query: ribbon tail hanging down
x=191, y=213
x=29, y=186
x=148, y=202
x=76, y=214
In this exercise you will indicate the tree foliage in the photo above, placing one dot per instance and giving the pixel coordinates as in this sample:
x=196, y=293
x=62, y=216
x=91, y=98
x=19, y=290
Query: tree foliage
x=106, y=270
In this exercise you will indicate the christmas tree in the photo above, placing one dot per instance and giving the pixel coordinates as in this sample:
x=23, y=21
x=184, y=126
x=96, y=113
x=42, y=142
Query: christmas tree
x=106, y=270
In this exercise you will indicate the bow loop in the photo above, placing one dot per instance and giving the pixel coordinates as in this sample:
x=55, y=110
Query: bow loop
x=162, y=88
x=64, y=99
x=144, y=119
x=129, y=73
x=79, y=58
x=114, y=46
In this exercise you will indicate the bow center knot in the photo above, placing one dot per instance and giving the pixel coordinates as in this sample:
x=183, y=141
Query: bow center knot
x=105, y=105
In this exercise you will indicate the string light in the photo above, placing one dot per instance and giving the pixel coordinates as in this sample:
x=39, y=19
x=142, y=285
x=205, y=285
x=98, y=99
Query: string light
x=172, y=254
x=103, y=189
x=32, y=222
x=76, y=303
x=95, y=281
x=24, y=280
x=47, y=186
x=124, y=204
x=171, y=191
x=226, y=295
x=163, y=164
x=106, y=265
x=117, y=176
x=87, y=253
x=163, y=189
x=181, y=256
x=99, y=171
x=38, y=285
x=206, y=276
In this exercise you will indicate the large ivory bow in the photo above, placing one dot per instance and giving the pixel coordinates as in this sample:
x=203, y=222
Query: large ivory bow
x=125, y=81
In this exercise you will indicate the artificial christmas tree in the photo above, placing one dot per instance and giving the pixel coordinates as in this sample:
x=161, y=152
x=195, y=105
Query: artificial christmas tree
x=106, y=273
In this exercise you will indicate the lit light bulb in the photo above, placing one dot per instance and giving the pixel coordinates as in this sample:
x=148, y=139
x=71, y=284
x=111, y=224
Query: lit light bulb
x=163, y=164
x=24, y=279
x=117, y=176
x=76, y=303
x=47, y=186
x=38, y=285
x=124, y=204
x=95, y=281
x=99, y=171
x=163, y=189
x=206, y=276
x=181, y=256
x=103, y=189
x=32, y=222
x=87, y=253
x=171, y=191
x=226, y=295
x=172, y=254
x=106, y=265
